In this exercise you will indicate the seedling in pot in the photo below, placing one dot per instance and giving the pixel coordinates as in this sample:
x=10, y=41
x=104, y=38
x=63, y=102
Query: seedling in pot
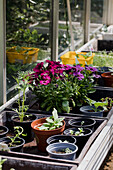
x=97, y=104
x=22, y=85
x=53, y=122
x=77, y=133
x=63, y=151
x=18, y=132
x=65, y=141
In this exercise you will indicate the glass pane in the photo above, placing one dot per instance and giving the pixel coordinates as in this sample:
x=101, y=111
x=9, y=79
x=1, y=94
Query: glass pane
x=27, y=36
x=77, y=17
x=96, y=16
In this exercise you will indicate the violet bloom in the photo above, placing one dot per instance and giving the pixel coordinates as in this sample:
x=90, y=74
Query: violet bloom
x=92, y=69
x=80, y=76
x=96, y=76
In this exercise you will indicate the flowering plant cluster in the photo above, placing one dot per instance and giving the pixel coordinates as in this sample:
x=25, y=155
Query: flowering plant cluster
x=62, y=86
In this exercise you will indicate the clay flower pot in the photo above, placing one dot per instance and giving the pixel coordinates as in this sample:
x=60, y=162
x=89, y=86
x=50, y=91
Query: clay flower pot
x=108, y=79
x=42, y=135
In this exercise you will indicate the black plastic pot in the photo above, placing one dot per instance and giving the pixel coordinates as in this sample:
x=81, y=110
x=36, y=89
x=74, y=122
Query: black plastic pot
x=3, y=131
x=17, y=147
x=77, y=122
x=56, y=138
x=26, y=125
x=59, y=147
x=89, y=111
x=81, y=140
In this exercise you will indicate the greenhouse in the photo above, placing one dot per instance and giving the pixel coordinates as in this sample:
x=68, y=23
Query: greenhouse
x=56, y=88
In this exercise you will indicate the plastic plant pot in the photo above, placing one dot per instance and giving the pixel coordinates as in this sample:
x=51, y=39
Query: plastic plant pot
x=55, y=148
x=87, y=123
x=18, y=146
x=81, y=140
x=68, y=58
x=3, y=131
x=63, y=138
x=89, y=111
x=27, y=55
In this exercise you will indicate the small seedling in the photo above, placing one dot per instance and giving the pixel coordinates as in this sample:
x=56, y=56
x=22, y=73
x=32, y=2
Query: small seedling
x=77, y=133
x=18, y=131
x=67, y=150
x=53, y=122
x=65, y=141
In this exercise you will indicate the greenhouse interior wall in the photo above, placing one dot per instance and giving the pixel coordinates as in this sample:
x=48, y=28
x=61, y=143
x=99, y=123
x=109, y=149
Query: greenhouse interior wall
x=54, y=27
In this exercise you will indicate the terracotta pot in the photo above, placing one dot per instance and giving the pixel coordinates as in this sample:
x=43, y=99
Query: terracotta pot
x=42, y=135
x=108, y=79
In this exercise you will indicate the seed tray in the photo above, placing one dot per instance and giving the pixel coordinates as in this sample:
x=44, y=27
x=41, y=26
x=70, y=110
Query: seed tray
x=30, y=150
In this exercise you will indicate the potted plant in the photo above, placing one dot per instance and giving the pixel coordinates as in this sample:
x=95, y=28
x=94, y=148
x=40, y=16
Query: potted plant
x=22, y=54
x=85, y=58
x=94, y=108
x=62, y=151
x=21, y=118
x=3, y=131
x=61, y=139
x=14, y=143
x=82, y=123
x=46, y=127
x=64, y=87
x=80, y=134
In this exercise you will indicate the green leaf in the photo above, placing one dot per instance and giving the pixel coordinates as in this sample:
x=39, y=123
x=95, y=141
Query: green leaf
x=43, y=128
x=55, y=115
x=49, y=119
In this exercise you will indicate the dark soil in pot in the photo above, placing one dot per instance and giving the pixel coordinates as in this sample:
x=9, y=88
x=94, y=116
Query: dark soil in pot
x=81, y=140
x=15, y=147
x=26, y=124
x=82, y=122
x=43, y=135
x=3, y=131
x=61, y=138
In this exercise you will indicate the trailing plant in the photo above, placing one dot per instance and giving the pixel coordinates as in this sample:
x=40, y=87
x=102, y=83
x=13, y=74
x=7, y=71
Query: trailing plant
x=97, y=104
x=62, y=86
x=18, y=130
x=108, y=100
x=52, y=122
x=22, y=85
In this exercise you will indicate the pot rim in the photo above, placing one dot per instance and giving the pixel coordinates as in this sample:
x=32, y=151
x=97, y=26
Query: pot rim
x=92, y=124
x=70, y=144
x=90, y=132
x=84, y=109
x=21, y=139
x=62, y=136
x=34, y=128
x=6, y=130
x=16, y=115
